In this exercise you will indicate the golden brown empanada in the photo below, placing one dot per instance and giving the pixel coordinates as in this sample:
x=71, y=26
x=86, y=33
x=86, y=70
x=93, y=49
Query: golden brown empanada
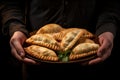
x=41, y=53
x=70, y=39
x=50, y=28
x=45, y=40
x=83, y=50
x=59, y=36
x=87, y=34
x=85, y=40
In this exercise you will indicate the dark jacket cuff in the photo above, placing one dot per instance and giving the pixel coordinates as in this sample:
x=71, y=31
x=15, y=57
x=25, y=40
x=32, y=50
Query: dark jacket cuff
x=17, y=27
x=108, y=27
x=12, y=26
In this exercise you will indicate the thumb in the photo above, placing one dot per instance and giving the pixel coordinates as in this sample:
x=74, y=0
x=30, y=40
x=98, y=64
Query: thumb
x=102, y=48
x=18, y=48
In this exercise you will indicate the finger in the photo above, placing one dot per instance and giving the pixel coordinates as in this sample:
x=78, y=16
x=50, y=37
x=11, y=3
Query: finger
x=102, y=48
x=101, y=58
x=30, y=61
x=15, y=54
x=18, y=48
x=95, y=61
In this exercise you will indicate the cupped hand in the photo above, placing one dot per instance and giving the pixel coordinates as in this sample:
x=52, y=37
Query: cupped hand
x=16, y=44
x=106, y=45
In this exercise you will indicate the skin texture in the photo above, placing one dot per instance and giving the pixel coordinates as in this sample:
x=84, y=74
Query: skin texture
x=105, y=40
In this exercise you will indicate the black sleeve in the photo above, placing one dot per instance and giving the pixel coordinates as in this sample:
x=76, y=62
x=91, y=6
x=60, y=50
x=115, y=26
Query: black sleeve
x=109, y=17
x=13, y=16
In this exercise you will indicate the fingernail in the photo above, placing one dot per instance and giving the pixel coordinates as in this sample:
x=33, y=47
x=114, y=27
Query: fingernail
x=22, y=54
x=99, y=54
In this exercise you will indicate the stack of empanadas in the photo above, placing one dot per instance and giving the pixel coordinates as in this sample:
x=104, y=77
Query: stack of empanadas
x=54, y=43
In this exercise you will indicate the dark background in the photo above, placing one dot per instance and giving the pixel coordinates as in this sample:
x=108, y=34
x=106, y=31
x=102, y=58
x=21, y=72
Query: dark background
x=12, y=69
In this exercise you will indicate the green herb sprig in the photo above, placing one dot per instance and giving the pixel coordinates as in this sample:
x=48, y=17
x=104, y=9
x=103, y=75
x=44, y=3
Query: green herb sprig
x=64, y=55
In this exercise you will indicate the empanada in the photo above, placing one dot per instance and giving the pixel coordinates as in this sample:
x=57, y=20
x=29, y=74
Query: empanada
x=41, y=53
x=45, y=40
x=70, y=39
x=87, y=34
x=50, y=28
x=59, y=36
x=83, y=50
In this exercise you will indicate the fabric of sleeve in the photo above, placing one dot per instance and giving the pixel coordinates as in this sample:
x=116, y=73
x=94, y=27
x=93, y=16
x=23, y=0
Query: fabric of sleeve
x=109, y=18
x=13, y=17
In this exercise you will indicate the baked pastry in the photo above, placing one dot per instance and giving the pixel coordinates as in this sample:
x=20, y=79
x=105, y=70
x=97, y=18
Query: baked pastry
x=70, y=39
x=59, y=36
x=41, y=53
x=85, y=40
x=54, y=43
x=45, y=40
x=83, y=50
x=50, y=28
x=87, y=34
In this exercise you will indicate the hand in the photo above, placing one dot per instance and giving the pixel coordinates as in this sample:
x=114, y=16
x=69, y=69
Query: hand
x=16, y=42
x=106, y=45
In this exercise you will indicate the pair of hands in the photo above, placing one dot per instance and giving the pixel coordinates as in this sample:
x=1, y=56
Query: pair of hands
x=105, y=40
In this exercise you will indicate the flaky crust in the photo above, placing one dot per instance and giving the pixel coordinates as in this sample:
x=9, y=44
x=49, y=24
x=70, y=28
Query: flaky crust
x=83, y=50
x=41, y=53
x=70, y=39
x=43, y=40
x=81, y=56
x=50, y=28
